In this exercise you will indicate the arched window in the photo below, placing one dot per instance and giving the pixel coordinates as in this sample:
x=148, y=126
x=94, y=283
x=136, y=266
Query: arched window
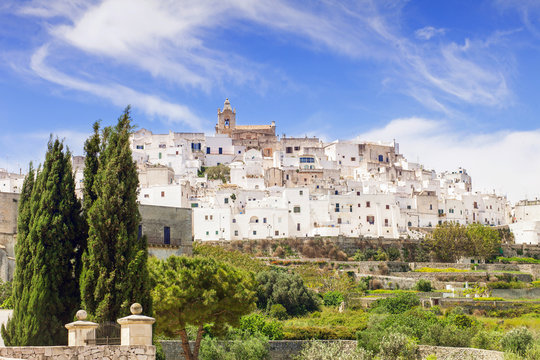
x=409, y=223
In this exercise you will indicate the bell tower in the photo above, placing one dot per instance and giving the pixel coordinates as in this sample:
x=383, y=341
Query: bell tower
x=226, y=119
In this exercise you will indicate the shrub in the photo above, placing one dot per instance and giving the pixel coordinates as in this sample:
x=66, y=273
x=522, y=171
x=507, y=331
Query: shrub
x=393, y=253
x=507, y=285
x=462, y=321
x=520, y=260
x=431, y=357
x=488, y=340
x=257, y=324
x=397, y=304
x=489, y=299
x=517, y=340
x=278, y=311
x=278, y=287
x=332, y=298
x=436, y=310
x=319, y=350
x=244, y=347
x=397, y=346
x=428, y=269
x=423, y=285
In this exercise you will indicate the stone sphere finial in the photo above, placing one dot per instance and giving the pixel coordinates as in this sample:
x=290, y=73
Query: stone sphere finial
x=136, y=309
x=81, y=315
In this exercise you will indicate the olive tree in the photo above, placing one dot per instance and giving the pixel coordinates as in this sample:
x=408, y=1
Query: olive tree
x=199, y=291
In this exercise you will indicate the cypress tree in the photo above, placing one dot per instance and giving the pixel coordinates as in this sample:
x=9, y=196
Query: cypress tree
x=91, y=164
x=46, y=257
x=114, y=266
x=23, y=268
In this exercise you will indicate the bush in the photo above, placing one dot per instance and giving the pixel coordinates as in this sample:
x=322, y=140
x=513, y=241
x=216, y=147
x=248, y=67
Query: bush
x=397, y=346
x=397, y=304
x=279, y=287
x=488, y=340
x=241, y=348
x=278, y=311
x=519, y=260
x=332, y=298
x=319, y=350
x=517, y=340
x=507, y=285
x=423, y=285
x=257, y=324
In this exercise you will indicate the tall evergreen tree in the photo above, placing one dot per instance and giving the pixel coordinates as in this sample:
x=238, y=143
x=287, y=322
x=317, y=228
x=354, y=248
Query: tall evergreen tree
x=91, y=164
x=49, y=295
x=23, y=267
x=114, y=267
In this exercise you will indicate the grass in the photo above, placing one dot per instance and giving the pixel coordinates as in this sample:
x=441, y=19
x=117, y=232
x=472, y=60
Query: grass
x=531, y=321
x=388, y=291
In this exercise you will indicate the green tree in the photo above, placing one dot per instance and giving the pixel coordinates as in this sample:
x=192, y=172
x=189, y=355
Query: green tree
x=485, y=240
x=219, y=172
x=91, y=165
x=46, y=294
x=449, y=242
x=115, y=272
x=199, y=291
x=289, y=290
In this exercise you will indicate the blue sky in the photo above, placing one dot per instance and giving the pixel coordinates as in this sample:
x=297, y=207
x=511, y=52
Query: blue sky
x=456, y=83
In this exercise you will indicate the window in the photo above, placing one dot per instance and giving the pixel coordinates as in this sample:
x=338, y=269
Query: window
x=146, y=195
x=227, y=123
x=475, y=205
x=336, y=192
x=385, y=222
x=451, y=211
x=288, y=150
x=296, y=209
x=301, y=192
x=162, y=146
x=287, y=177
x=167, y=235
x=387, y=207
x=207, y=233
x=196, y=146
x=339, y=220
x=297, y=148
x=216, y=232
x=208, y=150
x=254, y=232
x=409, y=223
x=234, y=221
x=359, y=205
x=235, y=232
x=163, y=194
x=276, y=233
x=298, y=227
x=353, y=159
x=140, y=147
x=408, y=207
x=220, y=151
x=211, y=217
x=226, y=200
x=264, y=220
x=358, y=193
x=381, y=158
x=370, y=219
x=304, y=160
x=159, y=155
x=368, y=204
x=205, y=217
x=430, y=206
x=337, y=207
x=194, y=205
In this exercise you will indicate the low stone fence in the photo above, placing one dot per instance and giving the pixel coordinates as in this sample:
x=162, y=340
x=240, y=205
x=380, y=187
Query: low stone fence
x=110, y=352
x=451, y=353
x=288, y=349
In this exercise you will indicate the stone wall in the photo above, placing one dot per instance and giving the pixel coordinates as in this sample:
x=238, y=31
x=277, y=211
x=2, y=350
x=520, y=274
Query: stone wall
x=138, y=352
x=154, y=219
x=287, y=349
x=450, y=353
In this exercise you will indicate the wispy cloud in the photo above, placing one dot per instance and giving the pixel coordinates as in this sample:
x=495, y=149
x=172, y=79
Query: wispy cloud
x=120, y=95
x=428, y=32
x=175, y=42
x=496, y=161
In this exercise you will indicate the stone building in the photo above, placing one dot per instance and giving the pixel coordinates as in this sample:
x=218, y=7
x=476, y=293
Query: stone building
x=168, y=230
x=8, y=233
x=262, y=137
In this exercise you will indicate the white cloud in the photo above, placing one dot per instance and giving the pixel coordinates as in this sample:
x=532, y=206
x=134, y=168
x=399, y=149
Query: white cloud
x=120, y=95
x=501, y=161
x=428, y=32
x=175, y=42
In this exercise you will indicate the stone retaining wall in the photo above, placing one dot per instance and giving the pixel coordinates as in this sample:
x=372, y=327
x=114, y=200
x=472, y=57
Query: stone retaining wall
x=287, y=349
x=119, y=352
x=450, y=353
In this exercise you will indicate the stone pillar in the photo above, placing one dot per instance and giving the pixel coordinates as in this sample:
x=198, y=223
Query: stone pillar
x=136, y=328
x=80, y=330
